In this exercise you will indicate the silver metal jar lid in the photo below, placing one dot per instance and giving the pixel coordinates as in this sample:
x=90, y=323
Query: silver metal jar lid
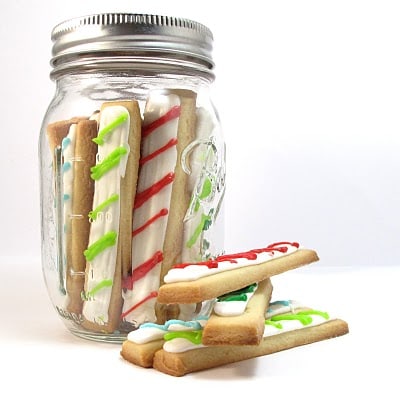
x=118, y=40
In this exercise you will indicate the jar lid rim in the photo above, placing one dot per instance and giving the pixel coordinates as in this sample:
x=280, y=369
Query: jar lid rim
x=133, y=20
x=132, y=34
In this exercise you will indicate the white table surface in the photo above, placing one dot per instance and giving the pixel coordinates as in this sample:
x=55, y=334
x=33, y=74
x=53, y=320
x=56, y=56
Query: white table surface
x=38, y=356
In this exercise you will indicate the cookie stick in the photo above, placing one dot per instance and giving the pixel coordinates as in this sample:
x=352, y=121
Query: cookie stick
x=163, y=130
x=244, y=329
x=180, y=199
x=185, y=283
x=82, y=158
x=313, y=326
x=117, y=140
x=151, y=206
x=141, y=354
x=128, y=193
x=181, y=193
x=141, y=344
x=129, y=184
x=56, y=133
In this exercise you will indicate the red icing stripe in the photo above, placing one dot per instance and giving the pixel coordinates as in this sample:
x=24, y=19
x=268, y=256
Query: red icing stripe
x=161, y=150
x=250, y=255
x=209, y=264
x=143, y=269
x=173, y=113
x=142, y=197
x=151, y=295
x=163, y=212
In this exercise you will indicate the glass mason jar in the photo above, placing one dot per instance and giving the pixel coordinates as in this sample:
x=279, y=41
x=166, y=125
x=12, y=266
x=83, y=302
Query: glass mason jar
x=132, y=165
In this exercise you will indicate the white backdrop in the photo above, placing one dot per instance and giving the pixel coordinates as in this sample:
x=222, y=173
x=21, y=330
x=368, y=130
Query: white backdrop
x=309, y=97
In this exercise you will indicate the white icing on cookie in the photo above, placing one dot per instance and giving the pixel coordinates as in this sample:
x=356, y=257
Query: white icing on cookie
x=284, y=322
x=68, y=151
x=179, y=345
x=282, y=306
x=101, y=268
x=291, y=325
x=150, y=217
x=195, y=271
x=149, y=332
x=230, y=308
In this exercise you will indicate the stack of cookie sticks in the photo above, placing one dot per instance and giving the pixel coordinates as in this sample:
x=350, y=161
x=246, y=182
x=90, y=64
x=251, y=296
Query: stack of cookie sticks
x=243, y=323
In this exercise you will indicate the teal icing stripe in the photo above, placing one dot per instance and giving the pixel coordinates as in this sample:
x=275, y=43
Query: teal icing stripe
x=195, y=325
x=66, y=166
x=65, y=143
x=280, y=302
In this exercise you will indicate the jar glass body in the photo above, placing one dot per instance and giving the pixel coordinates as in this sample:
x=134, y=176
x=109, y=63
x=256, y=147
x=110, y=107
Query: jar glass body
x=132, y=171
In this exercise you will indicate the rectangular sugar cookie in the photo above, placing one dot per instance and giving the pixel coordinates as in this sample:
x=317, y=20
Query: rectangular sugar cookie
x=109, y=251
x=218, y=283
x=82, y=197
x=244, y=329
x=73, y=138
x=141, y=354
x=179, y=364
x=161, y=202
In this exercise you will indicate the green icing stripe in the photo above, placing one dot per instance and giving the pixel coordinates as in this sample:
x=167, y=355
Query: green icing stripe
x=238, y=295
x=93, y=214
x=322, y=314
x=205, y=192
x=193, y=336
x=108, y=163
x=304, y=319
x=205, y=220
x=305, y=316
x=234, y=297
x=277, y=325
x=109, y=128
x=108, y=240
x=203, y=225
x=103, y=284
